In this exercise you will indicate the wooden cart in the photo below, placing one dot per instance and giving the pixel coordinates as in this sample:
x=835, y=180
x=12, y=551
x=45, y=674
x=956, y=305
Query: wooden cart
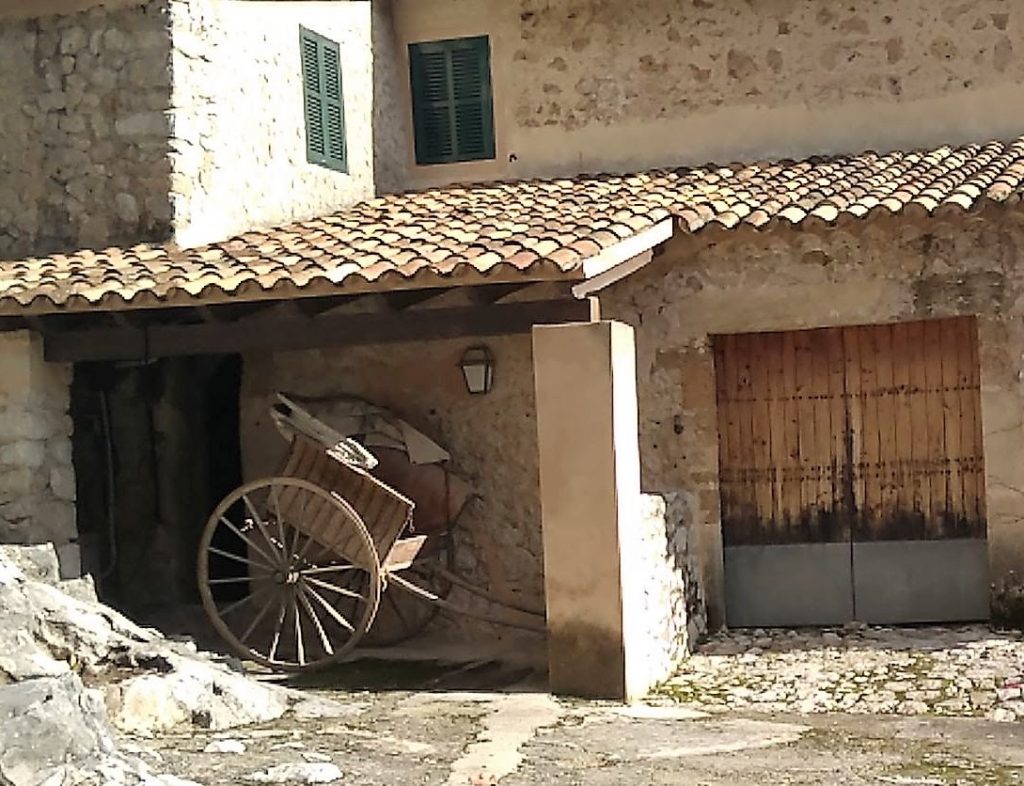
x=293, y=568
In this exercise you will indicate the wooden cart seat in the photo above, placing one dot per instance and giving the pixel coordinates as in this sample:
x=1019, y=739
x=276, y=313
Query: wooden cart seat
x=384, y=511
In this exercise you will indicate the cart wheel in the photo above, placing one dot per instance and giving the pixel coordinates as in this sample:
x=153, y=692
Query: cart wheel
x=277, y=596
x=401, y=614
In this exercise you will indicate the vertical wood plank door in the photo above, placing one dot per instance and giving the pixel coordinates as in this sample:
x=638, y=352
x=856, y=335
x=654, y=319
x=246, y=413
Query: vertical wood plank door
x=851, y=474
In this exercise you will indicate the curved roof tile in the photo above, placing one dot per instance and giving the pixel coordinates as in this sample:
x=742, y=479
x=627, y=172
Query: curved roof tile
x=532, y=229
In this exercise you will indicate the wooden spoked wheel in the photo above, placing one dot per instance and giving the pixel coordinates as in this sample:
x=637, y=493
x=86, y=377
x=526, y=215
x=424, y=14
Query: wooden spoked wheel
x=288, y=574
x=402, y=614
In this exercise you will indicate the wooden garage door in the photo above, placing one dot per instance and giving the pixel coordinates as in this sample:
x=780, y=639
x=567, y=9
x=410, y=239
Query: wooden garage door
x=853, y=435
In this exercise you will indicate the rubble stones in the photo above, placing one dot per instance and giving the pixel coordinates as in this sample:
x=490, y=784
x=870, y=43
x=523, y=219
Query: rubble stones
x=949, y=671
x=225, y=746
x=305, y=772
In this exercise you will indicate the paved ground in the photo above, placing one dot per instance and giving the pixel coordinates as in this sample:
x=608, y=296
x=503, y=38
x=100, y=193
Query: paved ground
x=438, y=725
x=959, y=671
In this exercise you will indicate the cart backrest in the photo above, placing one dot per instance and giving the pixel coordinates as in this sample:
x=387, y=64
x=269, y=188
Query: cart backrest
x=384, y=511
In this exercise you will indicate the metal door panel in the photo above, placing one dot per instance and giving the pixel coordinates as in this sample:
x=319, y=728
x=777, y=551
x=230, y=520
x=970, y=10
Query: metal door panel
x=800, y=584
x=921, y=581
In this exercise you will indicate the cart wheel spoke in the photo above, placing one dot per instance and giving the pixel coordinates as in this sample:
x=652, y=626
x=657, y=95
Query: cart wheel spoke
x=311, y=613
x=402, y=614
x=304, y=604
x=277, y=628
x=335, y=614
x=270, y=561
x=237, y=558
x=316, y=570
x=393, y=603
x=335, y=588
x=255, y=621
x=300, y=649
x=259, y=523
x=236, y=605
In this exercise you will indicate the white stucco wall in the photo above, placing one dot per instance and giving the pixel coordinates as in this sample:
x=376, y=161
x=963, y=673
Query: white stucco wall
x=238, y=143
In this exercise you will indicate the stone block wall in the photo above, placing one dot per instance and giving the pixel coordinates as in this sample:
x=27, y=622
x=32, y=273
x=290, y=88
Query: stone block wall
x=83, y=134
x=37, y=480
x=238, y=146
x=492, y=439
x=578, y=82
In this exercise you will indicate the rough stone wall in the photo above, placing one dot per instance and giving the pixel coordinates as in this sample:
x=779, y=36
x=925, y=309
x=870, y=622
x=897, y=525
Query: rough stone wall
x=492, y=438
x=37, y=481
x=392, y=140
x=649, y=60
x=578, y=82
x=672, y=617
x=83, y=134
x=883, y=270
x=239, y=138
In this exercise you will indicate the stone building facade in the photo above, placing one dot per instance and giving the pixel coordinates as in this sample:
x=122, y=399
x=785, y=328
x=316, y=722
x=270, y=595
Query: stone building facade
x=884, y=270
x=167, y=120
x=576, y=84
x=180, y=122
x=238, y=148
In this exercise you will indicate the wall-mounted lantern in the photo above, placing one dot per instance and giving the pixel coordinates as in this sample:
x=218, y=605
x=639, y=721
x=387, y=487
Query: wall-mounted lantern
x=477, y=366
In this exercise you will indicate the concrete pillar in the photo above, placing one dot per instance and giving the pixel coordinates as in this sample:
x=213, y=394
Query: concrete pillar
x=587, y=425
x=37, y=482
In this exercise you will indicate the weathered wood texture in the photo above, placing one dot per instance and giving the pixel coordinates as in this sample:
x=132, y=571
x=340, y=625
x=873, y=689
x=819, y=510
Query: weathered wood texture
x=383, y=511
x=863, y=433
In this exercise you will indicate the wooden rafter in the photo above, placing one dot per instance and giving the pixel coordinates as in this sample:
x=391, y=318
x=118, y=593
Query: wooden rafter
x=272, y=330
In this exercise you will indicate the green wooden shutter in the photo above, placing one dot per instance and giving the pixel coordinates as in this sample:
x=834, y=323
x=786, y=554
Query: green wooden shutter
x=453, y=113
x=324, y=101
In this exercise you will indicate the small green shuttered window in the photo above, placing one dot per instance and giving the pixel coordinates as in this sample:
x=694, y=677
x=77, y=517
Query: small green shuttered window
x=324, y=101
x=452, y=109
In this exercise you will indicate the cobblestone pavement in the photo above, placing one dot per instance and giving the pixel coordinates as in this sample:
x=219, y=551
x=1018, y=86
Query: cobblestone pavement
x=953, y=671
x=389, y=724
x=530, y=739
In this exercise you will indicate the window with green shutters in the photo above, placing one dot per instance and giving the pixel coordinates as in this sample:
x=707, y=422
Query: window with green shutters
x=453, y=113
x=324, y=101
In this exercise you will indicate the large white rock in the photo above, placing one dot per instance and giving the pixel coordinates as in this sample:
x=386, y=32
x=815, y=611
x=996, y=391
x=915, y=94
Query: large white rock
x=45, y=632
x=193, y=692
x=54, y=732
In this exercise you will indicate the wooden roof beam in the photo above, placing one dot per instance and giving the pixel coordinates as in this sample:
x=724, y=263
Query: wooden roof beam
x=273, y=332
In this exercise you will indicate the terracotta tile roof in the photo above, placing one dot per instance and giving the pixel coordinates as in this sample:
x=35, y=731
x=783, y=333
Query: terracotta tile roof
x=525, y=230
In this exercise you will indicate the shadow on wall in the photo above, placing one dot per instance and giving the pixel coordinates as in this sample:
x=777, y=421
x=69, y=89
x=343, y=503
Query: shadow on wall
x=1008, y=601
x=679, y=523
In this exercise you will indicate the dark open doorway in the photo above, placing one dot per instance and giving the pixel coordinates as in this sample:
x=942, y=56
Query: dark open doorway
x=156, y=446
